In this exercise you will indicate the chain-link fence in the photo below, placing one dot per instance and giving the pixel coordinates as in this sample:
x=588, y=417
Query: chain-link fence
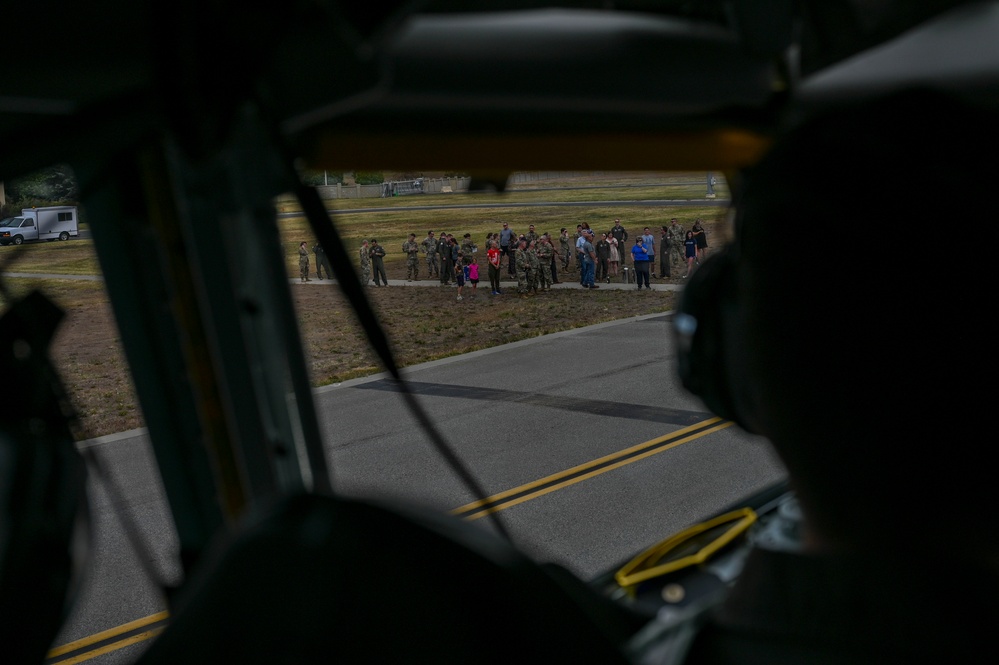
x=459, y=184
x=394, y=188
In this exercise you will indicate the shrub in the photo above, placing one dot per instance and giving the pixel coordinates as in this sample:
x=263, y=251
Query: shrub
x=320, y=178
x=14, y=208
x=369, y=177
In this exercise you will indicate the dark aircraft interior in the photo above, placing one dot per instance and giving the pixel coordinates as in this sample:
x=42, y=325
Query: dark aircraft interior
x=185, y=119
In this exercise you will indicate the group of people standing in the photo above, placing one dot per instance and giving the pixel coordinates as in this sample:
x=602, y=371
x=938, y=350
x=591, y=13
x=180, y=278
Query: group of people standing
x=322, y=262
x=599, y=260
x=372, y=257
x=687, y=247
x=534, y=259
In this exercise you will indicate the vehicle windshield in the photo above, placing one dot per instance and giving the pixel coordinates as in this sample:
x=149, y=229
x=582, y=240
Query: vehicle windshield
x=543, y=387
x=489, y=343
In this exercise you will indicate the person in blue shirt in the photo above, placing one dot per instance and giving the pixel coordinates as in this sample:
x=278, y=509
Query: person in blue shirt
x=506, y=237
x=642, y=257
x=589, y=261
x=649, y=242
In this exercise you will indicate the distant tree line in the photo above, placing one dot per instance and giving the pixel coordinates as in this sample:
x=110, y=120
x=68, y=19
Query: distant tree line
x=55, y=185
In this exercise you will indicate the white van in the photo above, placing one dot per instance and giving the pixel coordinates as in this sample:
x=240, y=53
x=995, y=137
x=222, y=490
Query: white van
x=49, y=223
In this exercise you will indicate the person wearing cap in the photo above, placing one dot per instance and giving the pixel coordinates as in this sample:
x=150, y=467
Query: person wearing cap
x=546, y=254
x=429, y=248
x=523, y=268
x=589, y=261
x=553, y=258
x=565, y=248
x=412, y=251
x=303, y=261
x=533, y=276
x=468, y=249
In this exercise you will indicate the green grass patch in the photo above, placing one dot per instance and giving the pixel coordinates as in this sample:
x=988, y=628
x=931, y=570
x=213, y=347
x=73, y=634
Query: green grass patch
x=73, y=257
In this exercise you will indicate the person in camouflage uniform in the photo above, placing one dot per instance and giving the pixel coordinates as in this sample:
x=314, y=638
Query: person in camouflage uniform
x=468, y=248
x=531, y=236
x=565, y=249
x=577, y=243
x=412, y=250
x=429, y=247
x=456, y=260
x=303, y=261
x=532, y=258
x=545, y=251
x=365, y=263
x=676, y=236
x=523, y=264
x=553, y=263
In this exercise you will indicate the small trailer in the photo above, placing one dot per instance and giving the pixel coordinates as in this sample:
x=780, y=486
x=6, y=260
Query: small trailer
x=36, y=224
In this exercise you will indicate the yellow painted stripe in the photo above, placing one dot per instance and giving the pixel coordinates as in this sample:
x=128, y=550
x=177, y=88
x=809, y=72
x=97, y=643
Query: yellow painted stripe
x=111, y=632
x=128, y=641
x=587, y=465
x=570, y=472
x=159, y=616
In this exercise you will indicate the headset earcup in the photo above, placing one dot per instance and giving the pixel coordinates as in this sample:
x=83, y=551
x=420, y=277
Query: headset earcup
x=701, y=342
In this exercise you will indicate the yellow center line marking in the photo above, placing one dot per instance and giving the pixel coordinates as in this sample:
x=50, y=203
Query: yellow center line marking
x=111, y=632
x=576, y=474
x=546, y=485
x=128, y=641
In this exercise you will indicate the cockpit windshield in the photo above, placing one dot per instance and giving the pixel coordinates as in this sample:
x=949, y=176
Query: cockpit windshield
x=538, y=298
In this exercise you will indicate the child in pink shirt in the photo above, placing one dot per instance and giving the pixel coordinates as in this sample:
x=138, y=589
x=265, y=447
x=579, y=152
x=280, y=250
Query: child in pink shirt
x=473, y=275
